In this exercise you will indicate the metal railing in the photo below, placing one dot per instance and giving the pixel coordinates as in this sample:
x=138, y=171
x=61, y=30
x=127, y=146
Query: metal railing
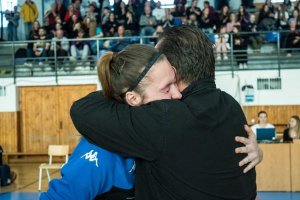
x=272, y=55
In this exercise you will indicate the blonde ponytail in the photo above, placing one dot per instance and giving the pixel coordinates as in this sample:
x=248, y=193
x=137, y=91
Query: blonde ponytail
x=103, y=67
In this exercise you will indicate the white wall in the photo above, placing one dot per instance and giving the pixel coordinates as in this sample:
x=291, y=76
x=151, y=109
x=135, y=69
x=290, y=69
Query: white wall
x=10, y=102
x=288, y=95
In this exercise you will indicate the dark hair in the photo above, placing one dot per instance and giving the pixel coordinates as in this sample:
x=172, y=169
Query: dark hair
x=261, y=112
x=190, y=51
x=119, y=72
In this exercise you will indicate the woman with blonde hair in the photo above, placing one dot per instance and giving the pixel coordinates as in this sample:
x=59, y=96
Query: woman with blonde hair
x=137, y=75
x=293, y=130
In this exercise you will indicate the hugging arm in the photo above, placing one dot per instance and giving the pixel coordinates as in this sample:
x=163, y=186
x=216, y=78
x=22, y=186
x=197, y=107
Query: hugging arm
x=255, y=154
x=114, y=126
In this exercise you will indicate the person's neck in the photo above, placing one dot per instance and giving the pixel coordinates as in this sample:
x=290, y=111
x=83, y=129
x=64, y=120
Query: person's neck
x=263, y=125
x=182, y=85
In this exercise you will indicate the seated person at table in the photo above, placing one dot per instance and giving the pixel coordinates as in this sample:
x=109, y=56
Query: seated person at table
x=262, y=122
x=293, y=130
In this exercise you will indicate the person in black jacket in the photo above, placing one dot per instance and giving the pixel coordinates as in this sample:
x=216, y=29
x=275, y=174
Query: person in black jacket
x=293, y=130
x=184, y=149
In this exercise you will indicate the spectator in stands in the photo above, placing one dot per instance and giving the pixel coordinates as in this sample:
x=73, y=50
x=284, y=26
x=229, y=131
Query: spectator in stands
x=293, y=130
x=131, y=24
x=71, y=11
x=288, y=6
x=281, y=17
x=78, y=6
x=119, y=44
x=33, y=35
x=255, y=39
x=266, y=21
x=117, y=8
x=293, y=37
x=192, y=21
x=111, y=26
x=223, y=17
x=90, y=20
x=232, y=22
x=179, y=8
x=50, y=17
x=59, y=47
x=158, y=12
x=122, y=15
x=41, y=47
x=105, y=15
x=270, y=5
x=147, y=24
x=100, y=35
x=60, y=8
x=222, y=43
x=29, y=13
x=262, y=122
x=73, y=26
x=79, y=47
x=130, y=7
x=34, y=32
x=193, y=9
x=168, y=19
x=207, y=22
x=13, y=18
x=57, y=27
x=139, y=6
x=212, y=11
x=296, y=16
x=243, y=17
x=240, y=46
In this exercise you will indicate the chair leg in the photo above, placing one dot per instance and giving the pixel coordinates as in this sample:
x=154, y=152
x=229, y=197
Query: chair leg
x=40, y=179
x=48, y=174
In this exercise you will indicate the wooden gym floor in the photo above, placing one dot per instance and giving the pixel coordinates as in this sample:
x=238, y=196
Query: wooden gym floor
x=25, y=186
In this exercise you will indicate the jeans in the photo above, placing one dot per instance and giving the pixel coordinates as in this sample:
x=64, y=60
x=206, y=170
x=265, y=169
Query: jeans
x=147, y=31
x=12, y=32
x=27, y=29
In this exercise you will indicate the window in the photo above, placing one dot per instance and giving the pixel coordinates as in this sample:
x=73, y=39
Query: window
x=2, y=91
x=269, y=83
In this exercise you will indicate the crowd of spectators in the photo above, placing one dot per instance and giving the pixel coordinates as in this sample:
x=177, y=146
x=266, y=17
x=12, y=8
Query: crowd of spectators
x=147, y=18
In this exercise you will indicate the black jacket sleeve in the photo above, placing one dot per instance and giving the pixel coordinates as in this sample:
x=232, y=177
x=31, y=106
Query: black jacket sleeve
x=118, y=127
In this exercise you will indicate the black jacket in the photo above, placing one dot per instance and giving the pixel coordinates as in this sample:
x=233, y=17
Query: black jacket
x=286, y=136
x=184, y=149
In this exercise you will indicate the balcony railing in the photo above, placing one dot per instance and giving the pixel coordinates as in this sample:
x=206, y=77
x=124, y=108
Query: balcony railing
x=272, y=55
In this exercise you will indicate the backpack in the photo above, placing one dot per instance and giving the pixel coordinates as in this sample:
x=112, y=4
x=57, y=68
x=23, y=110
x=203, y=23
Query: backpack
x=5, y=177
x=21, y=53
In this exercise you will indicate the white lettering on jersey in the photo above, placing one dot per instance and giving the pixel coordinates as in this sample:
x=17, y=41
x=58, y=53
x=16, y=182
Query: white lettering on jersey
x=91, y=156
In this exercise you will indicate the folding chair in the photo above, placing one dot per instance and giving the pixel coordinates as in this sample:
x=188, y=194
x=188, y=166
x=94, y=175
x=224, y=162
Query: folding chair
x=53, y=150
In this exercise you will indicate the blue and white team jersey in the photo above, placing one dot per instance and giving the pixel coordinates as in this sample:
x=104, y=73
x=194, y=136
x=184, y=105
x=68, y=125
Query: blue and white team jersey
x=91, y=171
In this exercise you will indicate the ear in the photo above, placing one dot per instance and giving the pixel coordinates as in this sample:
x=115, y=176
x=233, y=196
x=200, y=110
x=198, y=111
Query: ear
x=133, y=98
